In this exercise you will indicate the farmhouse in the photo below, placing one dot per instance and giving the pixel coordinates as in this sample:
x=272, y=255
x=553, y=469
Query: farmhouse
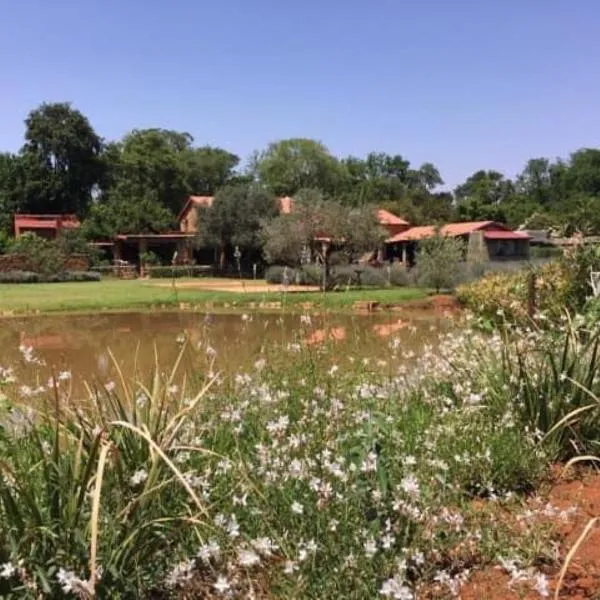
x=498, y=241
x=46, y=226
x=189, y=215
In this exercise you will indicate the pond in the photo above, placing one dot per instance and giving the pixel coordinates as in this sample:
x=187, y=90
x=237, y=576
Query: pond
x=88, y=346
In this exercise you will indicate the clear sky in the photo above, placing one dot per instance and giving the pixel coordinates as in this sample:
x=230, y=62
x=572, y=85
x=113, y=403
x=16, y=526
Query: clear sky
x=465, y=84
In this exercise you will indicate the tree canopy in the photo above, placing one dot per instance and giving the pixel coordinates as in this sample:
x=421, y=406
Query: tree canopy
x=140, y=182
x=234, y=218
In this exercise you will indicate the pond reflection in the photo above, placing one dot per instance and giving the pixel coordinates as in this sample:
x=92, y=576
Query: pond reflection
x=89, y=346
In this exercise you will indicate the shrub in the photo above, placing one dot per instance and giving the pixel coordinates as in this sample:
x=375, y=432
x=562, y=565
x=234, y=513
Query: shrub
x=438, y=261
x=19, y=277
x=46, y=255
x=274, y=274
x=64, y=276
x=399, y=275
x=175, y=271
x=505, y=295
x=545, y=252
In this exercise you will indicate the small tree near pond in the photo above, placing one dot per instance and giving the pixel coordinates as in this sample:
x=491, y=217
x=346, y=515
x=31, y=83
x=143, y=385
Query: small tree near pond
x=318, y=223
x=438, y=261
x=234, y=219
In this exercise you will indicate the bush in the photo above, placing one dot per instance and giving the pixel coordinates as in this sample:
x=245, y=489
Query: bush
x=545, y=252
x=306, y=275
x=439, y=260
x=19, y=277
x=46, y=255
x=64, y=276
x=176, y=271
x=399, y=275
x=505, y=295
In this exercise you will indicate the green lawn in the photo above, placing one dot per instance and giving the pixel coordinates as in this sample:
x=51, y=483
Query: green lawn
x=138, y=294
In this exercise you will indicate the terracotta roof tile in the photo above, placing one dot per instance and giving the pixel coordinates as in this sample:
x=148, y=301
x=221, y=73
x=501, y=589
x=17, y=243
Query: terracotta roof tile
x=385, y=217
x=450, y=230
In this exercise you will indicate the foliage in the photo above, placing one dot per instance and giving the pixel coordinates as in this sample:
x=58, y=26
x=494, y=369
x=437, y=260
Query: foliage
x=62, y=277
x=438, y=261
x=45, y=255
x=560, y=286
x=234, y=219
x=149, y=258
x=314, y=219
x=288, y=166
x=126, y=214
x=177, y=271
x=292, y=480
x=505, y=295
x=60, y=161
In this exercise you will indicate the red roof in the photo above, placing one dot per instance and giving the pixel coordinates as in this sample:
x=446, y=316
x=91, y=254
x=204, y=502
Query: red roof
x=385, y=217
x=450, y=230
x=32, y=221
x=286, y=206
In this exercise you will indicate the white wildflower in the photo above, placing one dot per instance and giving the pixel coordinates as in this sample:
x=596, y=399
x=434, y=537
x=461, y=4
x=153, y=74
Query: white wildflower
x=248, y=558
x=541, y=585
x=7, y=570
x=290, y=567
x=410, y=485
x=370, y=548
x=395, y=588
x=222, y=584
x=138, y=477
x=263, y=546
x=297, y=508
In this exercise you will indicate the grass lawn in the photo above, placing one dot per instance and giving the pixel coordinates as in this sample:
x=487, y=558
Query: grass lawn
x=138, y=294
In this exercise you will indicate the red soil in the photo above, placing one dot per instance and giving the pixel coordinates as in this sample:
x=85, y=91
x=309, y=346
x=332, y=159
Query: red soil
x=582, y=579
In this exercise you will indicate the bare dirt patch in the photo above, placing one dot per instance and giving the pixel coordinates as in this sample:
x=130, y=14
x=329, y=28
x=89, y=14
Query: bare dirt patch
x=582, y=580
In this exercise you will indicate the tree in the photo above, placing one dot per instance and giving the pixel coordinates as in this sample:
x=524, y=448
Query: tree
x=535, y=182
x=235, y=219
x=152, y=163
x=125, y=213
x=209, y=169
x=288, y=166
x=438, y=261
x=426, y=177
x=11, y=190
x=61, y=160
x=483, y=195
x=317, y=224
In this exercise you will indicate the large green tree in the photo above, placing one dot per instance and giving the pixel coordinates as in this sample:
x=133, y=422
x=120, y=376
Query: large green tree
x=61, y=160
x=483, y=195
x=148, y=177
x=235, y=218
x=288, y=166
x=11, y=190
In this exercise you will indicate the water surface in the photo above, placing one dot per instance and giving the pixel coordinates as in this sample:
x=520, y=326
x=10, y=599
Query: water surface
x=83, y=344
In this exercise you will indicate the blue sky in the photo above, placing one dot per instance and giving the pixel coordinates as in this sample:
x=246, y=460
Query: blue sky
x=465, y=84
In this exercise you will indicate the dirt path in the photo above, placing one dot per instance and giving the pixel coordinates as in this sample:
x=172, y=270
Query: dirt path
x=233, y=285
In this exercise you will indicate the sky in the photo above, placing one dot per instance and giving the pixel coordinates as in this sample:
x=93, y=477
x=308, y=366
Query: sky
x=465, y=84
